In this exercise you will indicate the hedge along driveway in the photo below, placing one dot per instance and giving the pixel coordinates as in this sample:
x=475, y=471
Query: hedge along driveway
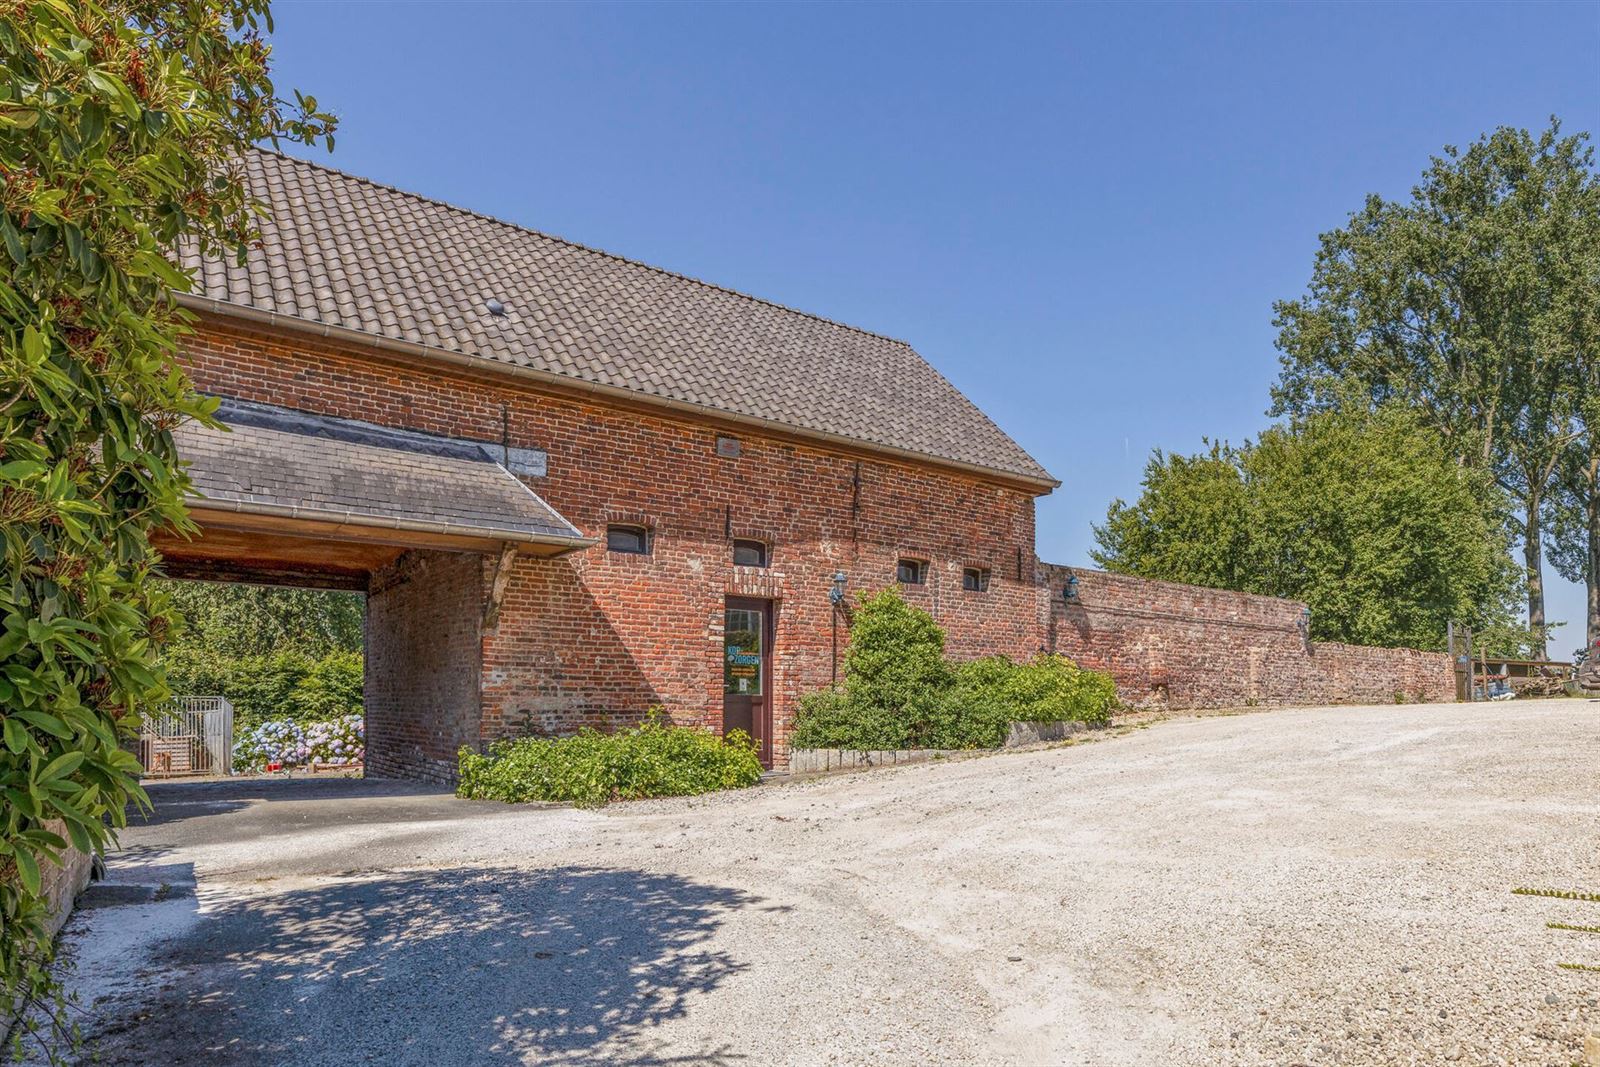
x=1239, y=889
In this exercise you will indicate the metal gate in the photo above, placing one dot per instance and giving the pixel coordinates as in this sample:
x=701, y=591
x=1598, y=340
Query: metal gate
x=192, y=736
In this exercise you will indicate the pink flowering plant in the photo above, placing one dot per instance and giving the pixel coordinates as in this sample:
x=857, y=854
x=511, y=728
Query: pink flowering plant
x=336, y=742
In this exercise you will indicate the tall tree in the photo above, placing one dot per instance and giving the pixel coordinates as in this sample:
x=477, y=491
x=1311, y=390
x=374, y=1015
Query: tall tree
x=1191, y=524
x=121, y=128
x=1574, y=268
x=1367, y=517
x=1446, y=303
x=235, y=621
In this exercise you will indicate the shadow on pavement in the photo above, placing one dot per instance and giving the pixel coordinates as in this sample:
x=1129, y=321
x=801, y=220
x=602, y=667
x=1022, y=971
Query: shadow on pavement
x=574, y=965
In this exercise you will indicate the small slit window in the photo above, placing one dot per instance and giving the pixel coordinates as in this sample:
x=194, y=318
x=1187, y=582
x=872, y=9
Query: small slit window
x=634, y=540
x=975, y=580
x=912, y=572
x=749, y=553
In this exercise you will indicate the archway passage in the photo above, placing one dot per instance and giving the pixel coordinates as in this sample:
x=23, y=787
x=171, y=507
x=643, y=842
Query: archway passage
x=428, y=527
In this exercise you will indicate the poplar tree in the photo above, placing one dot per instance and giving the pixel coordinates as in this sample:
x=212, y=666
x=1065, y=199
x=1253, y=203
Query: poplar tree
x=1454, y=304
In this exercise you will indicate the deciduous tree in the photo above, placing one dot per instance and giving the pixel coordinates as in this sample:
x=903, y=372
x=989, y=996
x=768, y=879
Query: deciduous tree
x=1366, y=517
x=1453, y=303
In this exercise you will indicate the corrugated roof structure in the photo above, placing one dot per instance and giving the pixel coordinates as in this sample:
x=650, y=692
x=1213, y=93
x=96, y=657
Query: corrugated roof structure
x=352, y=255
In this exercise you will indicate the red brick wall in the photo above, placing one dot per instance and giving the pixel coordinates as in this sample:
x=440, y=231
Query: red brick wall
x=597, y=637
x=424, y=615
x=1185, y=646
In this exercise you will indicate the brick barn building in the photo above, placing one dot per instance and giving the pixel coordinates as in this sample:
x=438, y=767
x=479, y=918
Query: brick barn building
x=573, y=486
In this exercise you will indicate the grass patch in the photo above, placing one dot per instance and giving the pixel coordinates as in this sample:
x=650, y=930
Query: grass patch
x=1578, y=967
x=1570, y=926
x=1557, y=894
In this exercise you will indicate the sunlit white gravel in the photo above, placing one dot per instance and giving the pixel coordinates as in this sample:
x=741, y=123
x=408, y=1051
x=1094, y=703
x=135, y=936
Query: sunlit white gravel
x=1324, y=886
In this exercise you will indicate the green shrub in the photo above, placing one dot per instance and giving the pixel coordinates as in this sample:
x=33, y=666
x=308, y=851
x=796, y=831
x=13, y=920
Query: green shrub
x=653, y=759
x=1052, y=688
x=899, y=692
x=284, y=685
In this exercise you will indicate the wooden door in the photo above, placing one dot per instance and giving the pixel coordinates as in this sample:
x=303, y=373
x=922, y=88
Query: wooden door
x=747, y=671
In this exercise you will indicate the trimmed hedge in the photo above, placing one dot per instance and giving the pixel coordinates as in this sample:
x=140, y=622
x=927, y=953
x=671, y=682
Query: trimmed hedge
x=899, y=691
x=283, y=685
x=653, y=759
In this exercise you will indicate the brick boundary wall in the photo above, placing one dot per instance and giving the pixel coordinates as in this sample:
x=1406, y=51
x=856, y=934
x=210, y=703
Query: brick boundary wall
x=1184, y=646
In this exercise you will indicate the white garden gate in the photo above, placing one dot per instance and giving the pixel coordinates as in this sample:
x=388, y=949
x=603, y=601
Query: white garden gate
x=192, y=736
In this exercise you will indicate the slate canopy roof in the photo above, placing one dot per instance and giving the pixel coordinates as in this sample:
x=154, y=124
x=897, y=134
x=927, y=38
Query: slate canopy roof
x=345, y=255
x=354, y=478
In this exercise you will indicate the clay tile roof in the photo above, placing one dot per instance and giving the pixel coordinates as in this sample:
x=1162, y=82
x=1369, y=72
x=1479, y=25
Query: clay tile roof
x=349, y=253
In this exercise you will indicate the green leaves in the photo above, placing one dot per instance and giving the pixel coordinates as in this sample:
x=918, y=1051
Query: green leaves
x=1368, y=518
x=120, y=134
x=653, y=759
x=899, y=692
x=1476, y=303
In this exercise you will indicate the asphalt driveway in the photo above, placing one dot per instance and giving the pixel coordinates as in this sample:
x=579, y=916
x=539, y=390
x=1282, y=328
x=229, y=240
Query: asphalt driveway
x=1317, y=886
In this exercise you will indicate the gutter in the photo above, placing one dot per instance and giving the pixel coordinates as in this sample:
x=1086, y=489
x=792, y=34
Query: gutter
x=368, y=520
x=227, y=309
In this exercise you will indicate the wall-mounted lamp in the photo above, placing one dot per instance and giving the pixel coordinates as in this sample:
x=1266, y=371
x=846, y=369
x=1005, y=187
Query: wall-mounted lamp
x=836, y=597
x=1303, y=624
x=1069, y=591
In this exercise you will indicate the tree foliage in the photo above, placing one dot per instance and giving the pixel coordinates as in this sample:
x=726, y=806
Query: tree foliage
x=121, y=128
x=239, y=621
x=1466, y=303
x=1367, y=517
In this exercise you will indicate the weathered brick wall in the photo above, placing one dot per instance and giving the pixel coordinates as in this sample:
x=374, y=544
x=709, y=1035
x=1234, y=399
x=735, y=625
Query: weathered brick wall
x=597, y=637
x=1185, y=646
x=423, y=619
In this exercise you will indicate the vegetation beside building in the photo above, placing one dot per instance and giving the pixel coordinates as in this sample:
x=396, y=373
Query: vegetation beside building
x=900, y=692
x=653, y=759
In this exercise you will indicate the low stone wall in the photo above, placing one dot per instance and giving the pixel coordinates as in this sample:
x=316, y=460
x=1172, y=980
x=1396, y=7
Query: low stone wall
x=816, y=760
x=1184, y=646
x=63, y=884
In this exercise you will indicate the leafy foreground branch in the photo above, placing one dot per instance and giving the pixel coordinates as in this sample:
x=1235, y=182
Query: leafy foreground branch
x=120, y=128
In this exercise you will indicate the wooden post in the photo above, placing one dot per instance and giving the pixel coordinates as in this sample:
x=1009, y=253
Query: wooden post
x=497, y=586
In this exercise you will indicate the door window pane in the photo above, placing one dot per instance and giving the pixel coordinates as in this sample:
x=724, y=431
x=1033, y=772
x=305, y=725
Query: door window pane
x=741, y=664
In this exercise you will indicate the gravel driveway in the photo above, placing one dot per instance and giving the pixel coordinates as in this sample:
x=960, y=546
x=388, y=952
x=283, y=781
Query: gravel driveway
x=1315, y=886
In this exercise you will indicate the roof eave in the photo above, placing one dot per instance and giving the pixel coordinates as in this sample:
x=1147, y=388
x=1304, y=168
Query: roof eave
x=1036, y=485
x=368, y=526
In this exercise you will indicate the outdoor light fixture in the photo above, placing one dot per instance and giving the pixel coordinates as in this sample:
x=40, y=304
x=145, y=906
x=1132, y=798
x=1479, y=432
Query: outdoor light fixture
x=1304, y=622
x=836, y=597
x=1069, y=592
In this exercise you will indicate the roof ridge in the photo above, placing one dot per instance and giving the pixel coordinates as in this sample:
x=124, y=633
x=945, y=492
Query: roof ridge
x=263, y=150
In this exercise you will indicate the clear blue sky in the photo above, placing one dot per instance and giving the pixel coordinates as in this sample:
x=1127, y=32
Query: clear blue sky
x=1080, y=214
